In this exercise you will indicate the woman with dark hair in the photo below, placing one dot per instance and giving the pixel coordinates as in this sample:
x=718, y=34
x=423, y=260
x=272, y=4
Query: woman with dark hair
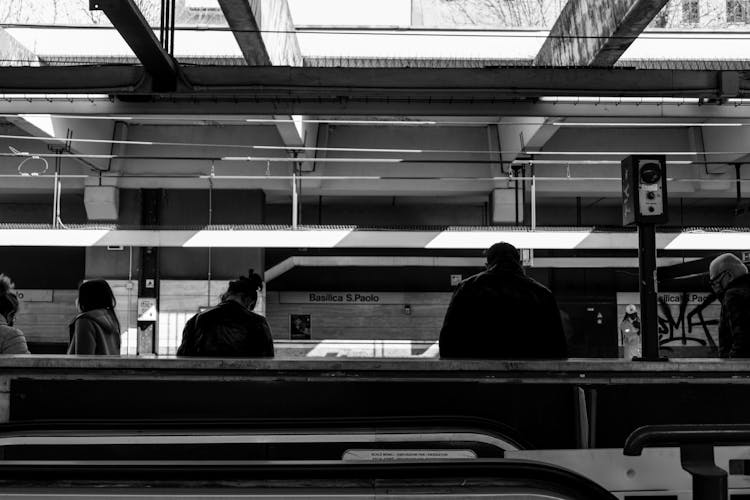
x=12, y=340
x=230, y=329
x=96, y=329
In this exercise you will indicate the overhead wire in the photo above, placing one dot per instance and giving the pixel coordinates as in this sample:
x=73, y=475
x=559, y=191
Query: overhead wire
x=282, y=159
x=408, y=31
x=360, y=150
x=307, y=178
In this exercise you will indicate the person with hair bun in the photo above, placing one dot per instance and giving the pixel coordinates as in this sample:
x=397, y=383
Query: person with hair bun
x=96, y=330
x=12, y=340
x=230, y=329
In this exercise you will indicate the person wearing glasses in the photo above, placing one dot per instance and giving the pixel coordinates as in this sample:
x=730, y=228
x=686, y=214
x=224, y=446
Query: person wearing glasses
x=501, y=313
x=730, y=282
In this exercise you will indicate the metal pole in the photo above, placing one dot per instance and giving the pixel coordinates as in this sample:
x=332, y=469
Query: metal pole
x=54, y=199
x=647, y=288
x=294, y=197
x=533, y=212
x=533, y=202
x=59, y=196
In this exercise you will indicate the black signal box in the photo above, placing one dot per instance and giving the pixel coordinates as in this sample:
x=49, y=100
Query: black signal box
x=644, y=189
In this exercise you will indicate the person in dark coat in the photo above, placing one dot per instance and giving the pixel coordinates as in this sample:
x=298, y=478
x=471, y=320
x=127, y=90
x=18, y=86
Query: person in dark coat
x=730, y=282
x=501, y=313
x=12, y=340
x=96, y=330
x=230, y=329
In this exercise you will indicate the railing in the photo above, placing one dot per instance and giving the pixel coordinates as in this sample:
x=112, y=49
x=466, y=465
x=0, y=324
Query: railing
x=696, y=444
x=454, y=479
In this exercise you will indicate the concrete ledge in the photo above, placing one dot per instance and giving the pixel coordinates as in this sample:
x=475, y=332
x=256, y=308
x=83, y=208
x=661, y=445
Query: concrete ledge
x=582, y=370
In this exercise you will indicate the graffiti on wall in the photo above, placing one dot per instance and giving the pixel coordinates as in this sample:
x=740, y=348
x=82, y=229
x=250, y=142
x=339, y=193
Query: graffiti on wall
x=685, y=319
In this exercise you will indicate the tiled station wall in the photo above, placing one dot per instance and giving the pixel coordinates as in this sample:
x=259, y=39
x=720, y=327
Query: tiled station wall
x=422, y=320
x=44, y=316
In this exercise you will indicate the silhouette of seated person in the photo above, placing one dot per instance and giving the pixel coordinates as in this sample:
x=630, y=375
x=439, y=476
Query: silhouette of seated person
x=230, y=329
x=12, y=340
x=501, y=313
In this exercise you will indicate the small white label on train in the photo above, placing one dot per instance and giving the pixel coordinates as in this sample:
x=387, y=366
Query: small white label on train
x=384, y=455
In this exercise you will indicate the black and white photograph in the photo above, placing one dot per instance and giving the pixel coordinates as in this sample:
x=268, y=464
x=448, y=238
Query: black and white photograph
x=310, y=249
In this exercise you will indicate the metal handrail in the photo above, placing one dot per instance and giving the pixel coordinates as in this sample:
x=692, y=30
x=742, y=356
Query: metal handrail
x=543, y=477
x=650, y=436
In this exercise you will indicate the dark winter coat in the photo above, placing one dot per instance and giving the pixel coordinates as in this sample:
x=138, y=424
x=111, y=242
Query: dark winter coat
x=503, y=314
x=734, y=323
x=227, y=330
x=95, y=332
x=12, y=340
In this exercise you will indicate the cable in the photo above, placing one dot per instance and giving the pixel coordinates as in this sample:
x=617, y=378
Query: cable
x=374, y=178
x=407, y=31
x=367, y=161
x=365, y=150
x=368, y=150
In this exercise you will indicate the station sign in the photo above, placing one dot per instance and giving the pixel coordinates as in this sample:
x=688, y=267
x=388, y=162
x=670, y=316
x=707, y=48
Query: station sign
x=357, y=298
x=147, y=309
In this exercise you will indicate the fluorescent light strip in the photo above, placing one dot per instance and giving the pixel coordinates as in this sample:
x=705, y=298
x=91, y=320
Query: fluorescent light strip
x=520, y=239
x=644, y=124
x=52, y=237
x=619, y=100
x=317, y=160
x=268, y=239
x=593, y=162
x=362, y=150
x=352, y=238
x=349, y=122
x=300, y=177
x=708, y=241
x=54, y=97
x=49, y=176
x=66, y=155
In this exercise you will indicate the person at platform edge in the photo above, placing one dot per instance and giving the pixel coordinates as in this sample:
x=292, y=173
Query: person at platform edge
x=96, y=329
x=12, y=340
x=501, y=313
x=730, y=282
x=230, y=329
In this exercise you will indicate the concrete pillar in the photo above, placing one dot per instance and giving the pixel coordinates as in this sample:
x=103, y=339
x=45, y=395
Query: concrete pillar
x=148, y=279
x=507, y=206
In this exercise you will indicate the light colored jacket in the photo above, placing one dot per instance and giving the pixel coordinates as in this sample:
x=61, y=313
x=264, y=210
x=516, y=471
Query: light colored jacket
x=12, y=340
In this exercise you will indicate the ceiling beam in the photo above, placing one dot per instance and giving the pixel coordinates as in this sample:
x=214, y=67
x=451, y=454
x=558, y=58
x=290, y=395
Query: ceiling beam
x=264, y=31
x=450, y=84
x=337, y=87
x=135, y=30
x=595, y=32
x=290, y=263
x=13, y=52
x=291, y=130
